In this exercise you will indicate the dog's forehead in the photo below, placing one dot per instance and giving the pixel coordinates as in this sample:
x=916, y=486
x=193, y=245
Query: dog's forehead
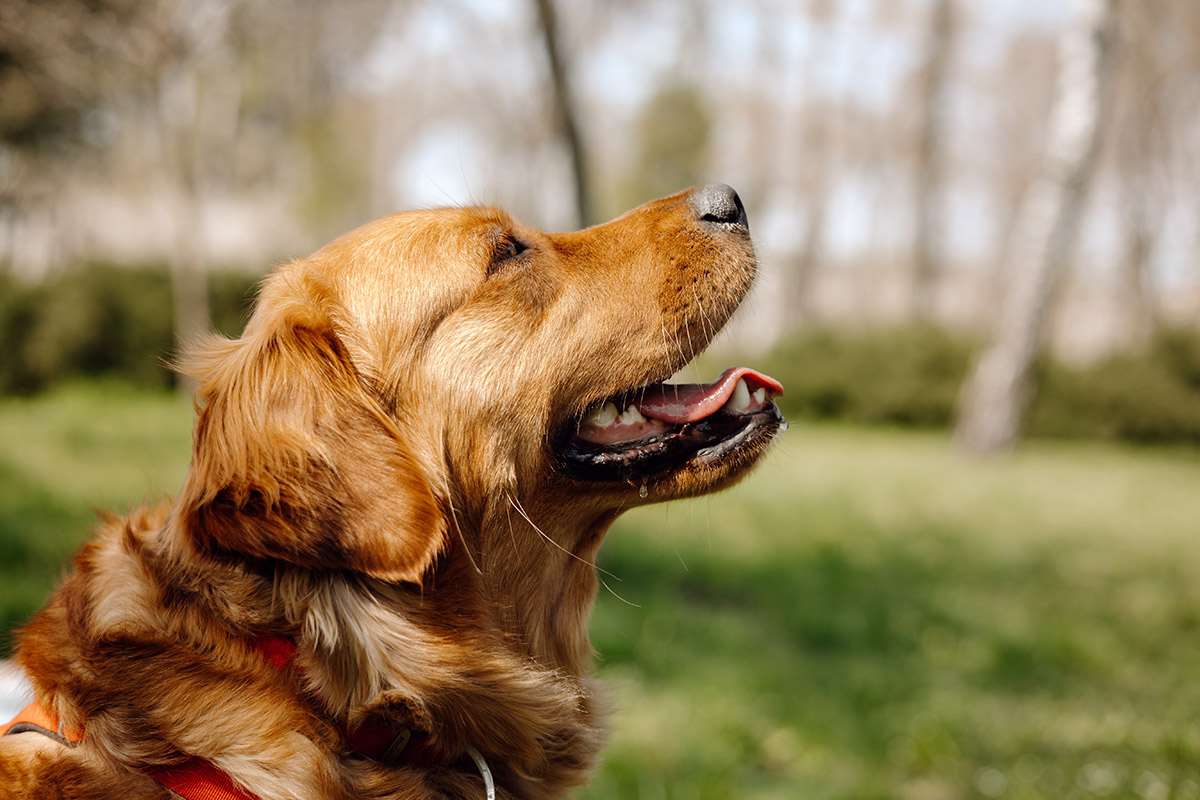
x=414, y=262
x=423, y=242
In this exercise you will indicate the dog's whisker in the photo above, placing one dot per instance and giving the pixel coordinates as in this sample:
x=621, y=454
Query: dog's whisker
x=516, y=504
x=666, y=337
x=454, y=522
x=609, y=589
x=667, y=340
x=512, y=534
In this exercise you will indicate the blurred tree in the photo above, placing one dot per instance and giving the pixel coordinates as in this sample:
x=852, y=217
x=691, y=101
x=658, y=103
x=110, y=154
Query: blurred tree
x=821, y=113
x=1154, y=116
x=671, y=144
x=1007, y=157
x=1137, y=142
x=817, y=167
x=198, y=86
x=565, y=112
x=931, y=142
x=996, y=393
x=205, y=99
x=49, y=51
x=53, y=94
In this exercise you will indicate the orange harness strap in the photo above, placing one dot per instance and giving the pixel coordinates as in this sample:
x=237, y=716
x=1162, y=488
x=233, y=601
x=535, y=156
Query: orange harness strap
x=196, y=778
x=193, y=779
x=35, y=719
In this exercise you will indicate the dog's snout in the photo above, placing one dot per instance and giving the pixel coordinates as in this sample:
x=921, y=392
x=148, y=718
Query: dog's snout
x=719, y=203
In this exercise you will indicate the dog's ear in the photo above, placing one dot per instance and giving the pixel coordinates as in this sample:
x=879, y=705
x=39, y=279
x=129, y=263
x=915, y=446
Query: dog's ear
x=294, y=460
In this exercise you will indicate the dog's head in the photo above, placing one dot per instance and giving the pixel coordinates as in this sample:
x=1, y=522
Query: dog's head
x=417, y=372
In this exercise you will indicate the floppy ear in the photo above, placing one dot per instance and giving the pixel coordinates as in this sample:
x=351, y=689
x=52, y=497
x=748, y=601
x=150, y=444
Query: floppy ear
x=292, y=459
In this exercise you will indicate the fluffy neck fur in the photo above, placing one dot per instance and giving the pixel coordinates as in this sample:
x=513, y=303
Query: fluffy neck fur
x=479, y=656
x=464, y=660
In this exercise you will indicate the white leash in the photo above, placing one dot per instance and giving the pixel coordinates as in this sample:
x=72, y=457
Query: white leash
x=485, y=771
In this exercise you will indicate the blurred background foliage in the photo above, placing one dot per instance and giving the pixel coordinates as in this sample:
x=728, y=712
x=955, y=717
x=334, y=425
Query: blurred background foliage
x=111, y=322
x=895, y=157
x=104, y=321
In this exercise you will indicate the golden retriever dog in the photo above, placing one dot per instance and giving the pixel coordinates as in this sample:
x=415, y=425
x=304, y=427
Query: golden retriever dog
x=376, y=579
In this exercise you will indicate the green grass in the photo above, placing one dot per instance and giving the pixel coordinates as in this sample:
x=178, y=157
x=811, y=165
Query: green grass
x=868, y=616
x=65, y=456
x=871, y=615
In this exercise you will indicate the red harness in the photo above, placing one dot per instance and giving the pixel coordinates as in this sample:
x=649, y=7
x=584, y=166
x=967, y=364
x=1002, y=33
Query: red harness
x=197, y=778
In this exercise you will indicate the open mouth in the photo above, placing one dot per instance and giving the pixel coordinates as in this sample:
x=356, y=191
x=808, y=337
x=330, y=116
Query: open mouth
x=662, y=427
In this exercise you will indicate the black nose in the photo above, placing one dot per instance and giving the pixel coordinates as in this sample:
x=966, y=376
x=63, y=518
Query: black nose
x=719, y=203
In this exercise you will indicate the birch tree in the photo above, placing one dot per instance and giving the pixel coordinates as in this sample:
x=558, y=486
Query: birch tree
x=997, y=391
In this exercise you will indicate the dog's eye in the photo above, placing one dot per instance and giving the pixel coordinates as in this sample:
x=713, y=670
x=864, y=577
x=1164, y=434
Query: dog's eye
x=507, y=248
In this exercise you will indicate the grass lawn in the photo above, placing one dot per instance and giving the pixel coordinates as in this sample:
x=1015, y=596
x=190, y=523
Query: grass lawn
x=63, y=457
x=868, y=616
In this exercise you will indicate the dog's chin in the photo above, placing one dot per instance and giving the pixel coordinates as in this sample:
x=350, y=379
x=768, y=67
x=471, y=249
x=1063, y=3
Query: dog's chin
x=667, y=441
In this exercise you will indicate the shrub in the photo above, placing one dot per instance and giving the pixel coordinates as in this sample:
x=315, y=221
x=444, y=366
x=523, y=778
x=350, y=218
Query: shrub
x=231, y=299
x=100, y=320
x=20, y=306
x=911, y=376
x=1153, y=398
x=105, y=320
x=906, y=375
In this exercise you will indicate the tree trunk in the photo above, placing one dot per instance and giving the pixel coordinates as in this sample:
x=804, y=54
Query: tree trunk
x=996, y=393
x=930, y=144
x=801, y=282
x=818, y=165
x=179, y=89
x=565, y=111
x=1134, y=284
x=194, y=124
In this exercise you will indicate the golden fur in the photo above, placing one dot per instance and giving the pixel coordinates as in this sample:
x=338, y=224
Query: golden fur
x=373, y=478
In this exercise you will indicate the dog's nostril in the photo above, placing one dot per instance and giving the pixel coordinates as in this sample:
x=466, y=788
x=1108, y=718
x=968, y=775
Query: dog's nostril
x=718, y=202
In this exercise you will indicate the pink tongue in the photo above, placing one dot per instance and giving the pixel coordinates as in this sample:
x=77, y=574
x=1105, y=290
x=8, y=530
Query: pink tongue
x=690, y=402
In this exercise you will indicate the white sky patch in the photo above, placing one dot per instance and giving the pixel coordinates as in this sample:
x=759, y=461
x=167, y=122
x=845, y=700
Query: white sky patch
x=446, y=165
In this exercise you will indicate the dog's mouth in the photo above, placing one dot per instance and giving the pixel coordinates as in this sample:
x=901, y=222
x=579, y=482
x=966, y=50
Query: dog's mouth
x=662, y=427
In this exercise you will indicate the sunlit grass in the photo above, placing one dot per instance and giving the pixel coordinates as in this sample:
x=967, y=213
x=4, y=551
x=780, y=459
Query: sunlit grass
x=869, y=615
x=63, y=457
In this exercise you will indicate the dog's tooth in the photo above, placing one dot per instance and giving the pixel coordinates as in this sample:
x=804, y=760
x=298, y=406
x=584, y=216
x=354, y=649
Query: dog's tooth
x=760, y=395
x=631, y=416
x=740, y=399
x=604, y=415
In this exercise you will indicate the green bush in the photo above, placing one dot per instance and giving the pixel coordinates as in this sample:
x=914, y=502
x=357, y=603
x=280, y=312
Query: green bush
x=107, y=321
x=911, y=376
x=904, y=376
x=100, y=320
x=1151, y=398
x=230, y=300
x=19, y=314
